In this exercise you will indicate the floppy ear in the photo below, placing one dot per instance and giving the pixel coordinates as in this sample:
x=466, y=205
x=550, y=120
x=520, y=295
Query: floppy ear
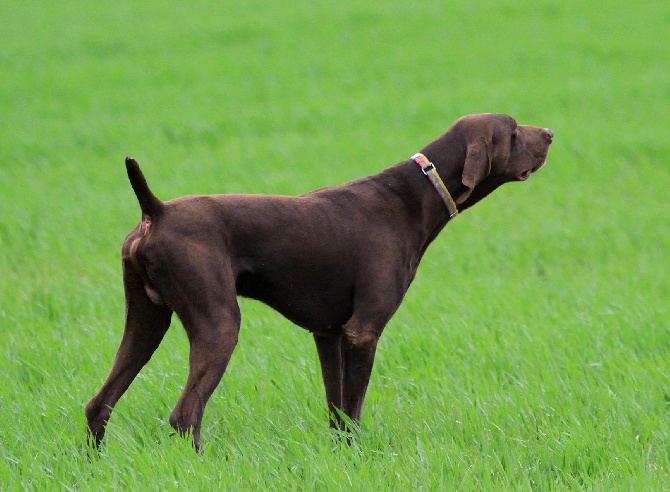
x=476, y=168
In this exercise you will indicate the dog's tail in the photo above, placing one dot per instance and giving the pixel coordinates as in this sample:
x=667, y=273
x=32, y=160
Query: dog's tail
x=149, y=204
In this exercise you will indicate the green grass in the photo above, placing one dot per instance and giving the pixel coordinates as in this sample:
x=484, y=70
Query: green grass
x=533, y=349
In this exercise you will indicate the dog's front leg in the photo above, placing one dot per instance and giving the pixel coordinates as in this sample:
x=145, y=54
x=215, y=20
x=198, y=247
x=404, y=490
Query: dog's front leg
x=146, y=324
x=358, y=354
x=329, y=349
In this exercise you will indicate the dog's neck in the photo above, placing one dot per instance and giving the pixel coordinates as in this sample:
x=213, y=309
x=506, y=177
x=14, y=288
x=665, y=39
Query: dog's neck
x=447, y=153
x=410, y=184
x=433, y=176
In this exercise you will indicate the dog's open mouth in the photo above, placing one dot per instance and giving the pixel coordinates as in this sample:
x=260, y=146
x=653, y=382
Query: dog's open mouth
x=524, y=175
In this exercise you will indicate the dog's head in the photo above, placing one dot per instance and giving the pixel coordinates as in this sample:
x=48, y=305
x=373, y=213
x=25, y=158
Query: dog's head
x=492, y=149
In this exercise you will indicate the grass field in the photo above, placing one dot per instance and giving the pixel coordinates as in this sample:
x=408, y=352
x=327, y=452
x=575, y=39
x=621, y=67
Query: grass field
x=532, y=351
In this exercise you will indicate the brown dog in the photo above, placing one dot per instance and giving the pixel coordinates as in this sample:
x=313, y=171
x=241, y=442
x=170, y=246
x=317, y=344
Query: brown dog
x=336, y=261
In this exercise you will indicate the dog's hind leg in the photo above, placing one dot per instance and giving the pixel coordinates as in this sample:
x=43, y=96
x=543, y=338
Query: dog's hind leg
x=213, y=338
x=145, y=326
x=203, y=295
x=329, y=349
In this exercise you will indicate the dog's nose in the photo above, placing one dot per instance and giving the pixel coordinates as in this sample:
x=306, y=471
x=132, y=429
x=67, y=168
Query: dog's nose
x=549, y=133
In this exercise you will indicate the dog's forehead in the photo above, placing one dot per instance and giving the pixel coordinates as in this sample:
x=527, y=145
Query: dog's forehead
x=500, y=121
x=484, y=122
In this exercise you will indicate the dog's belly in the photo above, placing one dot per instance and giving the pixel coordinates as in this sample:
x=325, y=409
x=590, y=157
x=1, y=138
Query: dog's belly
x=322, y=309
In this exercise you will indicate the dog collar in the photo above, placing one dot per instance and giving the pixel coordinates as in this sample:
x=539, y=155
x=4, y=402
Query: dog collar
x=431, y=173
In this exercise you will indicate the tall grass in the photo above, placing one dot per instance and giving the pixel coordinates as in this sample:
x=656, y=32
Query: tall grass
x=531, y=351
